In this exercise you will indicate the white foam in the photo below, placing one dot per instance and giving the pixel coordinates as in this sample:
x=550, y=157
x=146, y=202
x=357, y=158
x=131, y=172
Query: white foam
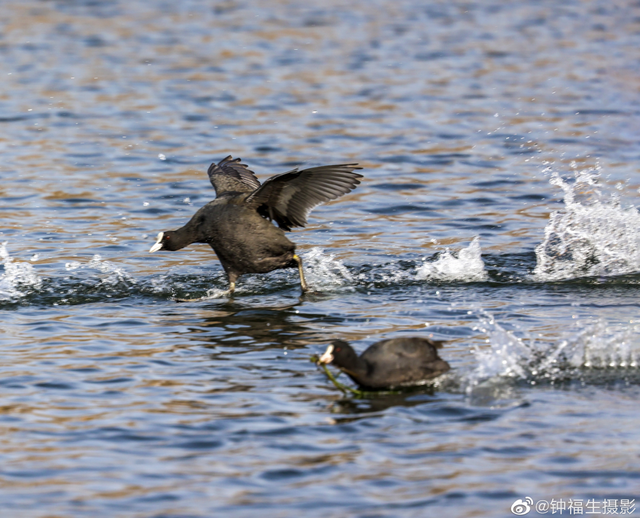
x=324, y=271
x=16, y=276
x=466, y=265
x=116, y=274
x=602, y=346
x=598, y=346
x=73, y=265
x=592, y=236
x=505, y=357
x=216, y=293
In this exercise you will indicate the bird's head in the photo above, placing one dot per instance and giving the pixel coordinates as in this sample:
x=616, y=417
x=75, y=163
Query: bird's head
x=340, y=353
x=164, y=242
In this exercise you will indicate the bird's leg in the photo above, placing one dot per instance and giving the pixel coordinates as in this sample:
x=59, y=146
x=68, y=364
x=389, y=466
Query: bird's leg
x=232, y=277
x=303, y=283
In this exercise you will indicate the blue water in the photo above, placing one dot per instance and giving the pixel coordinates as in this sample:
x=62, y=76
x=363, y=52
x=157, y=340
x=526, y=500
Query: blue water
x=499, y=145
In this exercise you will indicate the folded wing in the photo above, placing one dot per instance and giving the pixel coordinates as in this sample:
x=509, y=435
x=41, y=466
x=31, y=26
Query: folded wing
x=288, y=198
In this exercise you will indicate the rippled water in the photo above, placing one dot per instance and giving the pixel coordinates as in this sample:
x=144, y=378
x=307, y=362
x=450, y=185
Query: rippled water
x=500, y=149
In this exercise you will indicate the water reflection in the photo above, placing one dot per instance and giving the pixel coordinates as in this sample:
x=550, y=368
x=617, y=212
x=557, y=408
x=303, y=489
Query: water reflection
x=238, y=326
x=353, y=409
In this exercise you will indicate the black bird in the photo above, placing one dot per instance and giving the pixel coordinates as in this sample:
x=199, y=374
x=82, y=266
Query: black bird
x=388, y=363
x=237, y=224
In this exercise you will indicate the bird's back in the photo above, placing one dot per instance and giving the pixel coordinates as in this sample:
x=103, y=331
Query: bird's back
x=401, y=361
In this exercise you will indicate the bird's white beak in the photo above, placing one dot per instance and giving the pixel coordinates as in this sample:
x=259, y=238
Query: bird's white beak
x=158, y=244
x=327, y=357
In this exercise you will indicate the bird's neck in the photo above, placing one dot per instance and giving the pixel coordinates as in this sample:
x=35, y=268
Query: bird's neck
x=357, y=368
x=184, y=236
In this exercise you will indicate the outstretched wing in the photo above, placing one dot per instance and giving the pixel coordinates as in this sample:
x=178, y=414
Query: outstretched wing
x=231, y=175
x=288, y=198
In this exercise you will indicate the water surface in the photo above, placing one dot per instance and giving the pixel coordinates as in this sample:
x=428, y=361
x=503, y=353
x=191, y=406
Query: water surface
x=500, y=154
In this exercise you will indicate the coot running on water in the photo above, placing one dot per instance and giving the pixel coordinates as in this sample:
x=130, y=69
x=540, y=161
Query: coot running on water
x=388, y=363
x=237, y=224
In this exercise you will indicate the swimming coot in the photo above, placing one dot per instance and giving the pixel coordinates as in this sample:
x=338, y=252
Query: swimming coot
x=388, y=363
x=237, y=224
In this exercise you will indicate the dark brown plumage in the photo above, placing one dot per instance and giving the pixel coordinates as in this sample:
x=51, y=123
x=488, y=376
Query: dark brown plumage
x=388, y=363
x=237, y=224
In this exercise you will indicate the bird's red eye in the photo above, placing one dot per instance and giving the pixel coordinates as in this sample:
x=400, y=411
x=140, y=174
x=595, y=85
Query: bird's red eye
x=338, y=349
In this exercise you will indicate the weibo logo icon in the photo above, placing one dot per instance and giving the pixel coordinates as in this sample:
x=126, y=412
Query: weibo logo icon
x=521, y=507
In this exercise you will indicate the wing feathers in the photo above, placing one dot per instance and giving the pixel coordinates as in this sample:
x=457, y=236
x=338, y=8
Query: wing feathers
x=231, y=175
x=288, y=198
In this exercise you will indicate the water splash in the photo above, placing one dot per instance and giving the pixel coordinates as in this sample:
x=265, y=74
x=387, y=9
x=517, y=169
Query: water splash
x=115, y=274
x=324, y=271
x=467, y=266
x=17, y=277
x=506, y=357
x=592, y=236
x=597, y=352
x=216, y=293
x=602, y=346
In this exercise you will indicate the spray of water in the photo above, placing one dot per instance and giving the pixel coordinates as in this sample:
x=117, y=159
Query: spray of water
x=323, y=271
x=592, y=236
x=466, y=266
x=115, y=274
x=596, y=352
x=18, y=277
